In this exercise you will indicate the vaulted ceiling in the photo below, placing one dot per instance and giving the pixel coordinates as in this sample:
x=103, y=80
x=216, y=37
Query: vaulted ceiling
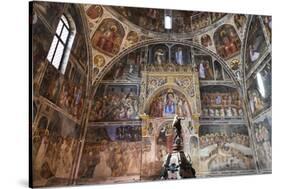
x=132, y=27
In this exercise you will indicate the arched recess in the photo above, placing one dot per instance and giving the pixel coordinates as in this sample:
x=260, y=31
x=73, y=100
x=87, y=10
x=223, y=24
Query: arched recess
x=148, y=103
x=121, y=54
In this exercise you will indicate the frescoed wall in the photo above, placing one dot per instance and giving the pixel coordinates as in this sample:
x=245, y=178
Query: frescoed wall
x=116, y=102
x=108, y=37
x=58, y=107
x=225, y=148
x=107, y=118
x=111, y=153
x=263, y=139
x=259, y=91
x=258, y=64
x=55, y=144
x=221, y=102
x=256, y=43
x=227, y=41
x=168, y=103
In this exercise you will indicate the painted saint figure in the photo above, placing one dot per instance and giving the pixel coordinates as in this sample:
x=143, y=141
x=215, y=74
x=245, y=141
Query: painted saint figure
x=102, y=169
x=179, y=56
x=254, y=54
x=202, y=74
x=159, y=56
x=106, y=41
x=170, y=103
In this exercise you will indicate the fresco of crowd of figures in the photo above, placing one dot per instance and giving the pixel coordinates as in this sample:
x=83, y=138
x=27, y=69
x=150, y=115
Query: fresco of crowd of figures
x=108, y=118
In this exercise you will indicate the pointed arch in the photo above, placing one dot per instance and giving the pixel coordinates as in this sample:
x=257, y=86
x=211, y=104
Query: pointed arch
x=146, y=107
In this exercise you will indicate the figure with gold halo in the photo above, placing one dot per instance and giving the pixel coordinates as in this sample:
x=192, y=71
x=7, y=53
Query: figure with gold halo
x=170, y=105
x=107, y=40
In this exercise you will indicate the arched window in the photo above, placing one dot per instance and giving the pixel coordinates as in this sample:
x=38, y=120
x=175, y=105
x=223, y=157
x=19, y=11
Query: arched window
x=62, y=42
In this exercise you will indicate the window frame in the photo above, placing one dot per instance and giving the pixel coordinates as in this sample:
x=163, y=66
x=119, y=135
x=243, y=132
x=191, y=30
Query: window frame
x=65, y=24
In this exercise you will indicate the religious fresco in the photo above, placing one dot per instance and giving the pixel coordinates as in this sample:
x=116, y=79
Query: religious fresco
x=55, y=140
x=162, y=54
x=204, y=66
x=239, y=21
x=76, y=76
x=263, y=138
x=108, y=37
x=99, y=61
x=220, y=102
x=194, y=147
x=64, y=93
x=168, y=103
x=94, y=11
x=256, y=44
x=132, y=37
x=180, y=55
x=200, y=20
x=208, y=69
x=157, y=145
x=159, y=54
x=115, y=102
x=138, y=102
x=151, y=19
x=183, y=21
x=127, y=68
x=206, y=40
x=110, y=154
x=41, y=41
x=259, y=91
x=225, y=148
x=218, y=71
x=215, y=16
x=227, y=41
x=80, y=48
x=51, y=84
x=57, y=100
x=71, y=98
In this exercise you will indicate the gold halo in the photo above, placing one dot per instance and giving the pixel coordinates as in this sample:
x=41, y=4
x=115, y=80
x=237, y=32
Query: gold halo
x=97, y=58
